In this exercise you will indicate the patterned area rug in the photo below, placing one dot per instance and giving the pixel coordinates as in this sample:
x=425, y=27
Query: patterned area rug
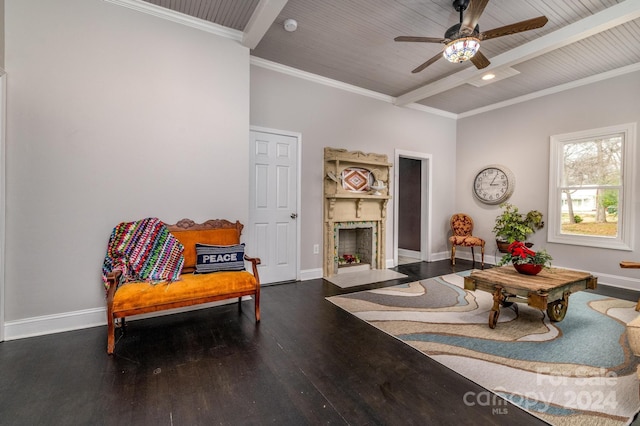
x=579, y=371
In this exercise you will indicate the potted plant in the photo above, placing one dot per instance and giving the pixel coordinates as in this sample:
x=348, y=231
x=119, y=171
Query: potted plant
x=511, y=225
x=525, y=260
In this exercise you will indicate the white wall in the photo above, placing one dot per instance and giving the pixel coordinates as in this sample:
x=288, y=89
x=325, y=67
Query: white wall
x=1, y=33
x=113, y=115
x=327, y=116
x=518, y=137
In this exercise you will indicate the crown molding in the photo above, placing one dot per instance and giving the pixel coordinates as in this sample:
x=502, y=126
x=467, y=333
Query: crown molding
x=294, y=72
x=180, y=18
x=284, y=69
x=210, y=27
x=431, y=110
x=200, y=24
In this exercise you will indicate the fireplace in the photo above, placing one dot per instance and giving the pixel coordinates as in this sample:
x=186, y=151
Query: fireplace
x=355, y=246
x=356, y=191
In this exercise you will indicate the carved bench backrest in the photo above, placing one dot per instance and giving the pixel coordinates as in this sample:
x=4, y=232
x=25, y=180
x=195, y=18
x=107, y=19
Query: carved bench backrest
x=215, y=232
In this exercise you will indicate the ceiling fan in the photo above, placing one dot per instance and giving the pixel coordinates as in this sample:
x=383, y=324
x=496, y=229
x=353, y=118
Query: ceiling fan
x=462, y=40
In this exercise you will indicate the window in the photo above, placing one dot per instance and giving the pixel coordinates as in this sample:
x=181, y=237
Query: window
x=590, y=187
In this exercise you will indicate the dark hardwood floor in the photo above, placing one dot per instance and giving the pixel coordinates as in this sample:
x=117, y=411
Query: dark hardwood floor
x=307, y=362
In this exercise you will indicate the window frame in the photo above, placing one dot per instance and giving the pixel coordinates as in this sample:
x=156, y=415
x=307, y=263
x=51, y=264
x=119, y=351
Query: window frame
x=626, y=202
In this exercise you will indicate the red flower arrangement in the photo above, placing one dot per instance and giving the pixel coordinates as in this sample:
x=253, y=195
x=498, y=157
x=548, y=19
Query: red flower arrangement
x=519, y=254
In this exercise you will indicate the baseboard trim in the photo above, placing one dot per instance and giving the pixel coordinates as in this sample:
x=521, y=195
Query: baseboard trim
x=604, y=279
x=95, y=317
x=441, y=256
x=616, y=281
x=86, y=318
x=57, y=323
x=310, y=274
x=409, y=253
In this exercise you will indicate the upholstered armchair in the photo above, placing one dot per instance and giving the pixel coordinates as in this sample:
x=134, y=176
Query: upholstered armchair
x=462, y=230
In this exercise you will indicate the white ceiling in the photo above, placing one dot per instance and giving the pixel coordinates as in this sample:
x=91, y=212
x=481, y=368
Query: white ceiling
x=351, y=41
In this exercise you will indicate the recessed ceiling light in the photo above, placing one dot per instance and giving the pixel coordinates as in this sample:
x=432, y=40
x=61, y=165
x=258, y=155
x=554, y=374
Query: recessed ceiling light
x=493, y=76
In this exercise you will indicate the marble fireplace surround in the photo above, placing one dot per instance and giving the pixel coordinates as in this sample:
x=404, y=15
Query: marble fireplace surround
x=354, y=203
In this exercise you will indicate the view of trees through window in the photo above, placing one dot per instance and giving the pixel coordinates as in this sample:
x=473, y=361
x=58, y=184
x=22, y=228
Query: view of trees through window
x=591, y=186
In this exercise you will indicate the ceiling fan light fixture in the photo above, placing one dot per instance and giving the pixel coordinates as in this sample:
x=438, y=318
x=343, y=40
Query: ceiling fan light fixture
x=461, y=50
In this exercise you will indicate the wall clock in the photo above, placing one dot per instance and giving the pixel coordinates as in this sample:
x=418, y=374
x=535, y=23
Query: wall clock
x=494, y=184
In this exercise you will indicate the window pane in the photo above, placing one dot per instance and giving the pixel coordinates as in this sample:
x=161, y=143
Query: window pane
x=592, y=162
x=591, y=191
x=594, y=212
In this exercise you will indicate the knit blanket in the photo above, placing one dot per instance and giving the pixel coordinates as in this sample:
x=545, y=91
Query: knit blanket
x=143, y=250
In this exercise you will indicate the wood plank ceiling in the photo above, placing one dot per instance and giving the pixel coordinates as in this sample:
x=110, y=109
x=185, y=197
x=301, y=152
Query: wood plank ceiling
x=228, y=13
x=351, y=41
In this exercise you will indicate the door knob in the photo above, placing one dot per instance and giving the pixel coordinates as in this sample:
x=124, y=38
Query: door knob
x=294, y=215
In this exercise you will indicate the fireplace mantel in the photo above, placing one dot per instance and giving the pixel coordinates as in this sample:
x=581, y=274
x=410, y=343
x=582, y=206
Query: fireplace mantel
x=356, y=190
x=359, y=202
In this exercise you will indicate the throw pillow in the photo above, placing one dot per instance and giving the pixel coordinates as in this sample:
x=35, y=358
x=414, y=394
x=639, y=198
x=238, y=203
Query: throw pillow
x=213, y=258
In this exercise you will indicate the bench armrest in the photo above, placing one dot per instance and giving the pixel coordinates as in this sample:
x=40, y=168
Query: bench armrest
x=113, y=278
x=255, y=261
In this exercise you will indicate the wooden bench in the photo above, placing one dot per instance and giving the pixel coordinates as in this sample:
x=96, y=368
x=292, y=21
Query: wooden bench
x=135, y=298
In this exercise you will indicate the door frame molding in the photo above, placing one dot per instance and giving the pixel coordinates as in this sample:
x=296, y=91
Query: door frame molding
x=425, y=202
x=3, y=126
x=298, y=137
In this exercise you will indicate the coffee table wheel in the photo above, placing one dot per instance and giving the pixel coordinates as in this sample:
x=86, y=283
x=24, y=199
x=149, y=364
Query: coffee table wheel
x=557, y=310
x=493, y=318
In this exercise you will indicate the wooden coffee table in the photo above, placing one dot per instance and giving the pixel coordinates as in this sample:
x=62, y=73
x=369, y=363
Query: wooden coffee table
x=549, y=290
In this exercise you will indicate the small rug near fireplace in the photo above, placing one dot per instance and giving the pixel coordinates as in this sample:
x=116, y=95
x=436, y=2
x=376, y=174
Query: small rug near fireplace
x=353, y=279
x=579, y=371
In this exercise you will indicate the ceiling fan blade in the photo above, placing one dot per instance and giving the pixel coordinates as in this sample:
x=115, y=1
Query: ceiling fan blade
x=471, y=16
x=479, y=60
x=518, y=27
x=429, y=62
x=420, y=39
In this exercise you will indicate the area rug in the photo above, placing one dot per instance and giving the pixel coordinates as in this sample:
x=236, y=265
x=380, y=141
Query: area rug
x=353, y=279
x=579, y=371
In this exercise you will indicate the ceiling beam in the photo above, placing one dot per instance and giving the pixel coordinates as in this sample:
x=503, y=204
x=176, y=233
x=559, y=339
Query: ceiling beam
x=265, y=14
x=594, y=24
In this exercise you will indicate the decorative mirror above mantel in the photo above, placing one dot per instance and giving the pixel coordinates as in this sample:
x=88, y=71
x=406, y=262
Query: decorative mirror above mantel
x=356, y=192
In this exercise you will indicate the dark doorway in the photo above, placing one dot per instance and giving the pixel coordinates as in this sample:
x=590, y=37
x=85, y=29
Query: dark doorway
x=409, y=204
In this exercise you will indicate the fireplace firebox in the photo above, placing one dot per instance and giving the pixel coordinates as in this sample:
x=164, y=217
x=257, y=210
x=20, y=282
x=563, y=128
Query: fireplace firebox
x=356, y=245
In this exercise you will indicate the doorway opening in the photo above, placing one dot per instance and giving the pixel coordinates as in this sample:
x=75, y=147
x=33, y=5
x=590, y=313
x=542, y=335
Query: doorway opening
x=3, y=115
x=412, y=207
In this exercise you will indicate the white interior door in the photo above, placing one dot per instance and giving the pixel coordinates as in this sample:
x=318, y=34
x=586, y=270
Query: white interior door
x=273, y=205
